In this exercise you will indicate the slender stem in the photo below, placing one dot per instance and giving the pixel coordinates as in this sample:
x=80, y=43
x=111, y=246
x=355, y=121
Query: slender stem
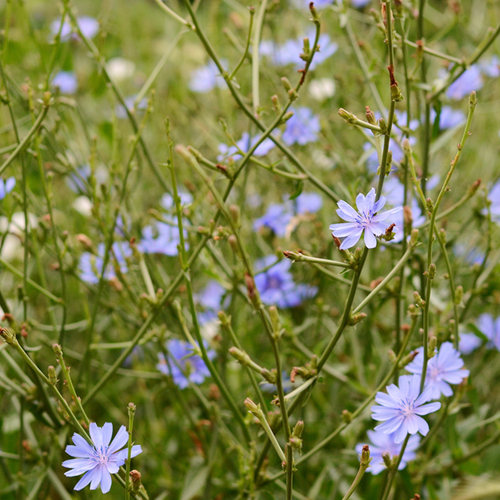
x=394, y=470
x=433, y=52
x=131, y=414
x=300, y=257
x=255, y=55
x=289, y=472
x=361, y=472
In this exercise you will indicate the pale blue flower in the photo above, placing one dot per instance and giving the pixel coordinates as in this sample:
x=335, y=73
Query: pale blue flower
x=470, y=80
x=384, y=443
x=66, y=82
x=210, y=299
x=368, y=220
x=77, y=181
x=205, y=78
x=167, y=200
x=302, y=127
x=494, y=198
x=161, y=238
x=88, y=26
x=491, y=329
x=491, y=67
x=185, y=365
x=276, y=285
x=308, y=203
x=6, y=186
x=402, y=120
x=443, y=369
x=470, y=255
x=448, y=118
x=91, y=265
x=401, y=407
x=468, y=343
x=245, y=144
x=97, y=461
x=121, y=112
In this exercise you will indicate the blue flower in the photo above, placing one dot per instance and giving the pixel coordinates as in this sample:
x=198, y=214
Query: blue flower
x=358, y=4
x=397, y=153
x=384, y=443
x=6, y=186
x=88, y=26
x=491, y=67
x=491, y=329
x=289, y=52
x=185, y=365
x=161, y=238
x=273, y=389
x=494, y=198
x=470, y=255
x=90, y=265
x=368, y=220
x=121, y=112
x=167, y=200
x=302, y=127
x=468, y=343
x=449, y=117
x=470, y=80
x=401, y=120
x=401, y=408
x=245, y=144
x=207, y=77
x=308, y=203
x=276, y=285
x=210, y=299
x=277, y=218
x=443, y=369
x=78, y=181
x=97, y=461
x=66, y=82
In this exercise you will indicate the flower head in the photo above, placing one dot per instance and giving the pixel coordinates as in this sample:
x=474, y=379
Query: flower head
x=183, y=364
x=276, y=285
x=491, y=328
x=210, y=299
x=470, y=80
x=205, y=78
x=448, y=118
x=97, y=461
x=491, y=67
x=368, y=220
x=468, y=343
x=302, y=127
x=167, y=200
x=443, y=369
x=401, y=407
x=384, y=443
x=88, y=26
x=6, y=186
x=245, y=144
x=161, y=238
x=66, y=82
x=131, y=105
x=90, y=265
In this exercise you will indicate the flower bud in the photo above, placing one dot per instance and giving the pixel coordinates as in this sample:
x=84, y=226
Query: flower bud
x=314, y=12
x=275, y=321
x=418, y=299
x=85, y=241
x=224, y=319
x=474, y=187
x=414, y=237
x=286, y=84
x=356, y=318
x=233, y=243
x=135, y=477
x=235, y=213
x=131, y=407
x=57, y=351
x=431, y=348
x=459, y=294
x=276, y=103
x=429, y=205
x=472, y=100
x=298, y=429
x=370, y=116
x=8, y=336
x=253, y=408
x=346, y=416
x=52, y=375
x=286, y=117
x=365, y=455
x=387, y=459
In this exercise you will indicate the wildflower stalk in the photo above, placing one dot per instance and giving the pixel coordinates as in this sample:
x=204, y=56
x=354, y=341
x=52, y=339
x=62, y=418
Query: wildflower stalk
x=247, y=45
x=432, y=229
x=255, y=56
x=187, y=279
x=173, y=15
x=394, y=469
x=300, y=257
x=131, y=413
x=340, y=279
x=365, y=462
x=57, y=45
x=433, y=52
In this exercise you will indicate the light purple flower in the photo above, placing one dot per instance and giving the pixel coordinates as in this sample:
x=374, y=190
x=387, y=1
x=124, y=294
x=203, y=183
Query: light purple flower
x=91, y=265
x=185, y=365
x=276, y=285
x=6, y=186
x=205, y=78
x=384, y=443
x=449, y=117
x=368, y=220
x=167, y=200
x=77, y=181
x=494, y=198
x=470, y=80
x=491, y=67
x=358, y=4
x=302, y=127
x=245, y=144
x=397, y=153
x=210, y=299
x=491, y=329
x=88, y=25
x=443, y=369
x=66, y=82
x=277, y=218
x=401, y=408
x=97, y=461
x=308, y=203
x=468, y=343
x=470, y=255
x=161, y=238
x=402, y=120
x=121, y=112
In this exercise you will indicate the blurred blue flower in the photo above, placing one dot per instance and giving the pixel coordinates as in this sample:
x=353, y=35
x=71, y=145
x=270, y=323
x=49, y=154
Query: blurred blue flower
x=397, y=153
x=470, y=80
x=302, y=127
x=494, y=198
x=366, y=220
x=161, y=238
x=100, y=459
x=276, y=285
x=317, y=3
x=358, y=4
x=121, y=112
x=66, y=82
x=210, y=299
x=401, y=408
x=167, y=200
x=402, y=119
x=6, y=186
x=90, y=265
x=88, y=25
x=468, y=343
x=470, y=255
x=273, y=389
x=78, y=181
x=278, y=216
x=491, y=329
x=491, y=67
x=289, y=52
x=245, y=144
x=384, y=443
x=185, y=365
x=205, y=78
x=443, y=369
x=449, y=117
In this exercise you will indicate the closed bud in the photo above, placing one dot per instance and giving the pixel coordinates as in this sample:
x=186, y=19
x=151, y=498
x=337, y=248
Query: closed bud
x=459, y=294
x=47, y=98
x=387, y=459
x=131, y=407
x=286, y=117
x=275, y=321
x=356, y=318
x=194, y=152
x=429, y=205
x=431, y=273
x=52, y=375
x=418, y=299
x=286, y=84
x=8, y=336
x=346, y=416
x=224, y=318
x=182, y=150
x=293, y=95
x=239, y=355
x=407, y=359
x=472, y=100
x=365, y=455
x=392, y=356
x=431, y=348
x=314, y=12
x=235, y=213
x=276, y=104
x=233, y=243
x=347, y=116
x=383, y=126
x=253, y=408
x=57, y=351
x=370, y=116
x=474, y=187
x=442, y=235
x=298, y=429
x=85, y=241
x=136, y=479
x=414, y=237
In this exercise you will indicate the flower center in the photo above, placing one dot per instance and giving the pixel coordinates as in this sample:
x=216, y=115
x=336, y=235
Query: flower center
x=407, y=407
